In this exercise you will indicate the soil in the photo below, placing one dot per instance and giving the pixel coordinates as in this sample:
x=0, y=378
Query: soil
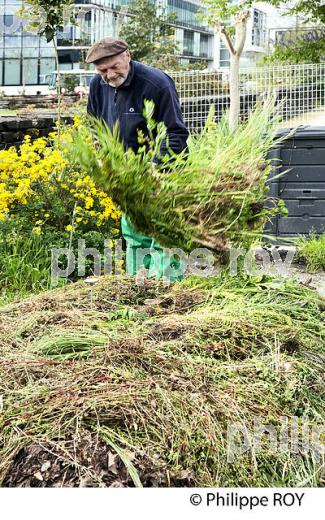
x=87, y=462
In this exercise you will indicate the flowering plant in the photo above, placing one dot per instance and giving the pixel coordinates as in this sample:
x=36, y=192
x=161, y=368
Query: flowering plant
x=39, y=187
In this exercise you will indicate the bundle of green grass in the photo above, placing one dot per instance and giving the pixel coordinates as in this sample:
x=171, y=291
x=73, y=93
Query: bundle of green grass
x=211, y=195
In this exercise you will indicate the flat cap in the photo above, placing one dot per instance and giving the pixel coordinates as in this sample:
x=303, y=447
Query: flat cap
x=105, y=48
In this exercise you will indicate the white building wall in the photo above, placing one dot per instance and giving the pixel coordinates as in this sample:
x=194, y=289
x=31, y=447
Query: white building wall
x=275, y=19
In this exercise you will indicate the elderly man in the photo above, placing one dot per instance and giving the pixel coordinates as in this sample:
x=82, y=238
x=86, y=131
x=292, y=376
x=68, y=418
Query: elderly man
x=117, y=94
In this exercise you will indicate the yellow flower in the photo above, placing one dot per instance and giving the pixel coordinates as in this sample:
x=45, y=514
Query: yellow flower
x=36, y=169
x=37, y=230
x=89, y=202
x=77, y=121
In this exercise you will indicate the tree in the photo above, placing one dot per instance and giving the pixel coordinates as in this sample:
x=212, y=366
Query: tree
x=309, y=47
x=301, y=48
x=230, y=20
x=313, y=11
x=48, y=18
x=149, y=35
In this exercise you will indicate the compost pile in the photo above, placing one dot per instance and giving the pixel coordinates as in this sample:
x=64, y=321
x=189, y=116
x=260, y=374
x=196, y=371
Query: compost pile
x=212, y=195
x=114, y=384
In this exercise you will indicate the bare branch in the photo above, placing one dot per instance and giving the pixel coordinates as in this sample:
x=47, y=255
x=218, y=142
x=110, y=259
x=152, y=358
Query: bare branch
x=241, y=26
x=242, y=17
x=225, y=36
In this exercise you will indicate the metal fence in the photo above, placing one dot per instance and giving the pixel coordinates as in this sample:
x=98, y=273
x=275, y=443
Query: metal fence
x=301, y=88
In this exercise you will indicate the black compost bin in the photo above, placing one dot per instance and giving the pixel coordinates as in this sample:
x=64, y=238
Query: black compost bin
x=302, y=187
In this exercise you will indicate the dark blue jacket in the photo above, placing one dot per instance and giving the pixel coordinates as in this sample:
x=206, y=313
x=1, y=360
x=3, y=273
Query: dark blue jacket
x=125, y=105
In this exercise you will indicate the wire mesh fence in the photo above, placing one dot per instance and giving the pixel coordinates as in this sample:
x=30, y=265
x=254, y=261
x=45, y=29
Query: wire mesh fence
x=300, y=88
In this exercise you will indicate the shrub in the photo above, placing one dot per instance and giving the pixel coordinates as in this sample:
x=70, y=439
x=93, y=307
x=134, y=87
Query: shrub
x=39, y=189
x=311, y=251
x=46, y=203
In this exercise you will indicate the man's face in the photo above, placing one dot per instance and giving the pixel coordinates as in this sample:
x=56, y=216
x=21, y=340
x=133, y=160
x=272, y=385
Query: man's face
x=114, y=70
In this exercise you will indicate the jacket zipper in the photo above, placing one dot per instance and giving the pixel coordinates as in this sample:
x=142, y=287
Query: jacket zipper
x=115, y=105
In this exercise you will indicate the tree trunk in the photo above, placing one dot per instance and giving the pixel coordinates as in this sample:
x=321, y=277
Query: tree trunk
x=58, y=86
x=234, y=94
x=23, y=61
x=235, y=50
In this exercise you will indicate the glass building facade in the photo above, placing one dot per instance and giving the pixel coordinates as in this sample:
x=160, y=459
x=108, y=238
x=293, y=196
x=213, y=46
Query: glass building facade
x=186, y=13
x=26, y=58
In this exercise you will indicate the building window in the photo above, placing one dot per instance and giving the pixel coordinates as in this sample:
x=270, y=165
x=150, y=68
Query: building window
x=204, y=46
x=188, y=45
x=30, y=71
x=65, y=38
x=47, y=66
x=8, y=20
x=30, y=46
x=26, y=56
x=224, y=56
x=259, y=28
x=12, y=72
x=186, y=14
